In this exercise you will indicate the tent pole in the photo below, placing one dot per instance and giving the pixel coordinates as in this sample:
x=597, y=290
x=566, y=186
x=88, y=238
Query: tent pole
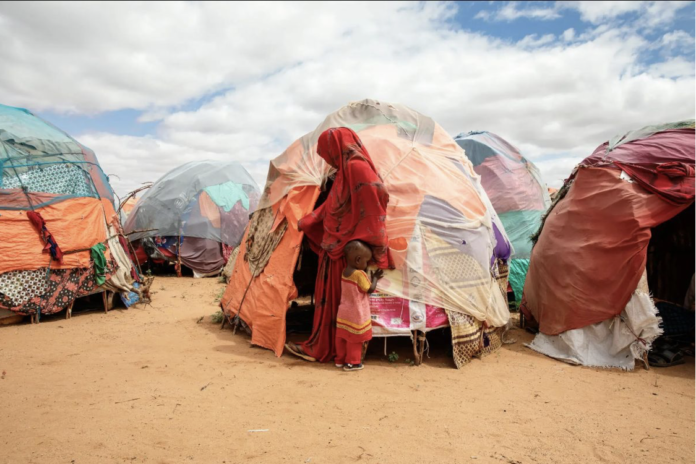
x=178, y=253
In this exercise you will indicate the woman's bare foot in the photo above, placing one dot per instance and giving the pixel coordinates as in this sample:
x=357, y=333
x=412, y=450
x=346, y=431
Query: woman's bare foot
x=296, y=349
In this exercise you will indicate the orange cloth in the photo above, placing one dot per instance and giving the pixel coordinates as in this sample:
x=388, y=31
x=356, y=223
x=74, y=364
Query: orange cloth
x=76, y=224
x=209, y=209
x=266, y=301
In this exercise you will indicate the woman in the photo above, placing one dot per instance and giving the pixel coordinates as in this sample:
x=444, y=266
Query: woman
x=356, y=209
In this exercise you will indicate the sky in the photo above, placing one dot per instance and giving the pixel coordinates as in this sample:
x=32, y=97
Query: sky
x=150, y=86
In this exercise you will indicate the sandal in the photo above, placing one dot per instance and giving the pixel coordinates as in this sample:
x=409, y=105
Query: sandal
x=294, y=349
x=665, y=358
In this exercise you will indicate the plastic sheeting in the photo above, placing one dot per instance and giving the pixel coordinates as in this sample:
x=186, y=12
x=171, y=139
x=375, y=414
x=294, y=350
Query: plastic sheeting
x=444, y=233
x=610, y=343
x=77, y=225
x=172, y=208
x=43, y=159
x=516, y=190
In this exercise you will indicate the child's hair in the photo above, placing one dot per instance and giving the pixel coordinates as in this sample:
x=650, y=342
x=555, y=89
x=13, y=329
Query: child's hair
x=355, y=245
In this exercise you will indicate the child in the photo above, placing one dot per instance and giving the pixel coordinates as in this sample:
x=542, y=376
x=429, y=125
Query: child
x=353, y=322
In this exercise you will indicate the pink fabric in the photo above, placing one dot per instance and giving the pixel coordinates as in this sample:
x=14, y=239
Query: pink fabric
x=348, y=352
x=354, y=311
x=676, y=145
x=509, y=185
x=592, y=251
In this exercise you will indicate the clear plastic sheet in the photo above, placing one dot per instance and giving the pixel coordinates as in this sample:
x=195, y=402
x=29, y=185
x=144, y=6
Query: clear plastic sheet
x=179, y=205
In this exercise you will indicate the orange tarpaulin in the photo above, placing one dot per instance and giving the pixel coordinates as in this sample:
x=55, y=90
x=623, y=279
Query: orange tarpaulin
x=76, y=224
x=266, y=299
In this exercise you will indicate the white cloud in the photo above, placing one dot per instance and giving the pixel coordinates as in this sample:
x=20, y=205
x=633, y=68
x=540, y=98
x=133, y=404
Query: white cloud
x=677, y=41
x=653, y=14
x=569, y=34
x=673, y=68
x=512, y=11
x=288, y=66
x=596, y=12
x=534, y=41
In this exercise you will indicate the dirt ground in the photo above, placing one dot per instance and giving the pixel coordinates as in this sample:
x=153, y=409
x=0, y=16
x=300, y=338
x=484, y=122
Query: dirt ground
x=155, y=385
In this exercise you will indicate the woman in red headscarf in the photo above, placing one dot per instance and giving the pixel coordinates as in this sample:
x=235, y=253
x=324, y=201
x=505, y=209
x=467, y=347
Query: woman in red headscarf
x=356, y=209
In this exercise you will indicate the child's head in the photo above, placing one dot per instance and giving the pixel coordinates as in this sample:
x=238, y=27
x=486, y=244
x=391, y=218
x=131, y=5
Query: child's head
x=358, y=254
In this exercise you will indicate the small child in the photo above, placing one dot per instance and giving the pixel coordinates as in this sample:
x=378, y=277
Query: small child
x=353, y=322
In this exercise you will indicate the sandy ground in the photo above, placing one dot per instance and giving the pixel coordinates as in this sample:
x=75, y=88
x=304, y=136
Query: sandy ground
x=154, y=385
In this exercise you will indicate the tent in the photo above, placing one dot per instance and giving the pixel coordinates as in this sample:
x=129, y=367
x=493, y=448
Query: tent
x=60, y=238
x=448, y=244
x=128, y=206
x=517, y=193
x=195, y=214
x=620, y=230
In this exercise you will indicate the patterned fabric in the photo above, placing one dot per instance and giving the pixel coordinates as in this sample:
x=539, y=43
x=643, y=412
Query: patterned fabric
x=470, y=339
x=353, y=321
x=260, y=241
x=22, y=286
x=459, y=276
x=61, y=288
x=502, y=274
x=66, y=179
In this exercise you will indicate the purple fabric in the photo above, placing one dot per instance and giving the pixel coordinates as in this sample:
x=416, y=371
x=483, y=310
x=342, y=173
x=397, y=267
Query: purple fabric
x=502, y=247
x=675, y=145
x=202, y=255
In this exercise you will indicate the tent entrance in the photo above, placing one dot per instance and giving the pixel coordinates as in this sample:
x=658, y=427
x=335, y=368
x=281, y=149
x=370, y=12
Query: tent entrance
x=670, y=264
x=301, y=312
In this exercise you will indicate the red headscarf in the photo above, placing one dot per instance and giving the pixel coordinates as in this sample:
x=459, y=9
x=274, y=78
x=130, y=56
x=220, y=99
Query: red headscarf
x=356, y=208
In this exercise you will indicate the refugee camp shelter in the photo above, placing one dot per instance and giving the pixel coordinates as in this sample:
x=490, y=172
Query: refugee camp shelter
x=128, y=206
x=514, y=186
x=620, y=230
x=59, y=234
x=195, y=215
x=447, y=242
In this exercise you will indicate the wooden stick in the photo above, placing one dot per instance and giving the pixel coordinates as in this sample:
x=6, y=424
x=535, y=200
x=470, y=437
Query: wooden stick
x=414, y=334
x=422, y=349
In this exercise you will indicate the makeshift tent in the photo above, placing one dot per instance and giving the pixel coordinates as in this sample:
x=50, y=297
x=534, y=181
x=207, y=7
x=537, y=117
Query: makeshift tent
x=197, y=213
x=517, y=193
x=128, y=206
x=621, y=229
x=447, y=242
x=56, y=214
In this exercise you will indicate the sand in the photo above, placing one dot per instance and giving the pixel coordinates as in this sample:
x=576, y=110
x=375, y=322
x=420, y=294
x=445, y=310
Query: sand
x=155, y=385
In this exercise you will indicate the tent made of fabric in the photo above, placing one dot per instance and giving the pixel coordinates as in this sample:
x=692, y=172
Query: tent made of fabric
x=205, y=205
x=587, y=286
x=56, y=204
x=445, y=237
x=517, y=192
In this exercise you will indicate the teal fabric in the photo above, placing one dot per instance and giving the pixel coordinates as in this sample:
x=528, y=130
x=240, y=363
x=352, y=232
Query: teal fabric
x=227, y=195
x=518, y=273
x=519, y=227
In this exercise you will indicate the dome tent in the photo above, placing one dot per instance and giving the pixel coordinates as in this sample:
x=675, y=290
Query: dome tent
x=448, y=244
x=516, y=191
x=620, y=231
x=59, y=233
x=196, y=213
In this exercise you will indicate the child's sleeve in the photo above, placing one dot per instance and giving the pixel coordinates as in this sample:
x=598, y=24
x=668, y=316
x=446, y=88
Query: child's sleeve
x=363, y=281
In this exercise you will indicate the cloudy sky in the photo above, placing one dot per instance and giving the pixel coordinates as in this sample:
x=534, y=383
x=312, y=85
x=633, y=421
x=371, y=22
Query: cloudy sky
x=150, y=86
